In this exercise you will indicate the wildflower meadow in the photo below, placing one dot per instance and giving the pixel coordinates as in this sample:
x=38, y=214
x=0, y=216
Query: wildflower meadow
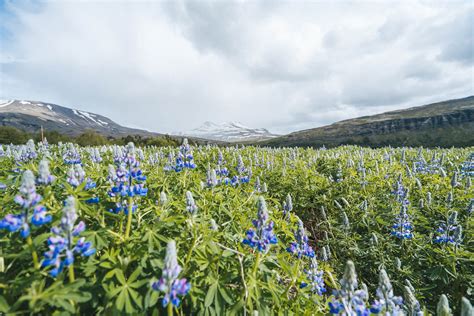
x=238, y=230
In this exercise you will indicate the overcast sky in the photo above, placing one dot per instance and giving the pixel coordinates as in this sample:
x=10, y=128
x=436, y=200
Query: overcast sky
x=286, y=66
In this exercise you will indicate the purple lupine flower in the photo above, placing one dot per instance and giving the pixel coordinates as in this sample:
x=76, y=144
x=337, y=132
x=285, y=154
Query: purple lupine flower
x=300, y=247
x=76, y=176
x=71, y=156
x=61, y=245
x=315, y=278
x=32, y=211
x=287, y=206
x=402, y=228
x=184, y=160
x=349, y=300
x=44, y=176
x=169, y=282
x=386, y=303
x=449, y=232
x=127, y=180
x=401, y=193
x=262, y=235
x=191, y=206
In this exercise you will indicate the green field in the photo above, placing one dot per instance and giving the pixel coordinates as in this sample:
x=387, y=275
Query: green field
x=319, y=214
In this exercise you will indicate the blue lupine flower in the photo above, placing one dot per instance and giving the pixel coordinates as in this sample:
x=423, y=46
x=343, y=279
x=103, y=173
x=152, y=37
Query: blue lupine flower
x=449, y=231
x=212, y=180
x=412, y=305
x=45, y=176
x=349, y=300
x=127, y=180
x=95, y=155
x=402, y=228
x=287, y=205
x=315, y=277
x=71, y=156
x=262, y=236
x=191, y=206
x=185, y=159
x=169, y=282
x=467, y=167
x=386, y=303
x=93, y=200
x=300, y=247
x=76, y=176
x=401, y=193
x=61, y=245
x=32, y=212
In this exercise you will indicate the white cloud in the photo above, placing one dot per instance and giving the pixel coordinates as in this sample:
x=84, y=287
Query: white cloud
x=170, y=66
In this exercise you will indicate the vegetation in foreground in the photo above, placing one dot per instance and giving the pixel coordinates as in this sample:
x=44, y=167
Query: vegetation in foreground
x=211, y=231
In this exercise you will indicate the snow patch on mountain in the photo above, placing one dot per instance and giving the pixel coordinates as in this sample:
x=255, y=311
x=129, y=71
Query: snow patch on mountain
x=229, y=131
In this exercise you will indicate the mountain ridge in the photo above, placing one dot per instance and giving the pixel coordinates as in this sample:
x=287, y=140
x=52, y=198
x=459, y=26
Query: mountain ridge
x=229, y=132
x=451, y=121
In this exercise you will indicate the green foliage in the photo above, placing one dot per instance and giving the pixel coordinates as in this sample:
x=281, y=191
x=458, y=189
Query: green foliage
x=228, y=277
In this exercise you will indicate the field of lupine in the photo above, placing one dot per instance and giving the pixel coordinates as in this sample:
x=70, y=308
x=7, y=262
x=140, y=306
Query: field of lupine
x=235, y=230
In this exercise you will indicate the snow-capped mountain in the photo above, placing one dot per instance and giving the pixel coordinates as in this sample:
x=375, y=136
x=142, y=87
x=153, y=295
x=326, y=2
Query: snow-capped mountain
x=229, y=132
x=31, y=115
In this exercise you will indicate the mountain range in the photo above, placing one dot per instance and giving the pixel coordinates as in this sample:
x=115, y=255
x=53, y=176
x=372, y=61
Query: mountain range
x=447, y=123
x=30, y=116
x=229, y=132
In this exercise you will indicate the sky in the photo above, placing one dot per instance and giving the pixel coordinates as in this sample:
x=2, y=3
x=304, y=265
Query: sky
x=284, y=65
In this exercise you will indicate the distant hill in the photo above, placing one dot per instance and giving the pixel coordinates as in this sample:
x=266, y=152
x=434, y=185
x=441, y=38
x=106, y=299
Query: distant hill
x=229, y=132
x=448, y=123
x=29, y=116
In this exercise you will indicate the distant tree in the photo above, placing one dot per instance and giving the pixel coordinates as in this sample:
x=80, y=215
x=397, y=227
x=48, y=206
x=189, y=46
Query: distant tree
x=90, y=138
x=13, y=135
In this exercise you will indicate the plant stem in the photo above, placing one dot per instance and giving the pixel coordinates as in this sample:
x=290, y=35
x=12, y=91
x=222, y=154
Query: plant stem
x=255, y=268
x=170, y=309
x=129, y=218
x=71, y=273
x=29, y=241
x=293, y=280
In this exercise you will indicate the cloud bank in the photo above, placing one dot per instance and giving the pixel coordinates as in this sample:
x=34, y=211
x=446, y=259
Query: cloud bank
x=169, y=66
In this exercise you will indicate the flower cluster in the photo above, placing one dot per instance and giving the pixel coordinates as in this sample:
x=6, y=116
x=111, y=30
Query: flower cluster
x=45, y=176
x=386, y=302
x=95, y=156
x=76, y=176
x=185, y=159
x=71, y=156
x=191, y=206
x=262, y=235
x=467, y=167
x=449, y=231
x=401, y=193
x=300, y=247
x=349, y=300
x=28, y=200
x=315, y=278
x=402, y=228
x=62, y=246
x=127, y=180
x=169, y=282
x=287, y=205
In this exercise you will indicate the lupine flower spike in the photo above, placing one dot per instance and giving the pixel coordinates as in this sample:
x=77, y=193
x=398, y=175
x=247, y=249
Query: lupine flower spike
x=169, y=282
x=64, y=243
x=32, y=212
x=300, y=247
x=315, y=278
x=349, y=300
x=262, y=235
x=386, y=302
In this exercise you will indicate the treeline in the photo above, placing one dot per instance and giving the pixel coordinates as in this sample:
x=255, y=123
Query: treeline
x=12, y=135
